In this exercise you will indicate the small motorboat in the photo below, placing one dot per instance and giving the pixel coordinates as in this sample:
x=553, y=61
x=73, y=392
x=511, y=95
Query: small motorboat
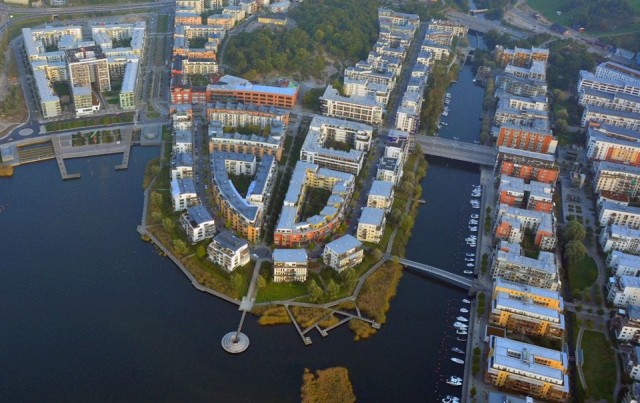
x=450, y=399
x=447, y=95
x=459, y=325
x=444, y=123
x=457, y=350
x=461, y=338
x=473, y=222
x=466, y=301
x=461, y=332
x=454, y=381
x=471, y=254
x=457, y=360
x=473, y=229
x=445, y=113
x=469, y=259
x=476, y=216
x=468, y=271
x=462, y=319
x=470, y=265
x=464, y=310
x=456, y=138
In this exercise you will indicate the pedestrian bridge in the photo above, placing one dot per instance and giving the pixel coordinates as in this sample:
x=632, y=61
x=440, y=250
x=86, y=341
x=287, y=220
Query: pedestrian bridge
x=454, y=279
x=457, y=150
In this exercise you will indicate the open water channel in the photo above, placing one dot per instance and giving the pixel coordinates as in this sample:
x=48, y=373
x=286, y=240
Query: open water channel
x=92, y=313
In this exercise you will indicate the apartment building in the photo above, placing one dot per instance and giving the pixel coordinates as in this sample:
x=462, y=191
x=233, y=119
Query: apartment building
x=615, y=71
x=539, y=222
x=230, y=88
x=613, y=144
x=181, y=166
x=231, y=114
x=521, y=57
x=381, y=195
x=242, y=214
x=366, y=71
x=371, y=225
x=613, y=117
x=527, y=310
x=620, y=238
x=535, y=371
x=535, y=195
x=221, y=141
x=327, y=142
x=534, y=139
x=181, y=117
x=438, y=52
x=183, y=194
x=626, y=325
x=289, y=265
x=624, y=291
x=49, y=102
x=528, y=165
x=617, y=178
x=623, y=264
x=390, y=170
x=521, y=85
x=294, y=230
x=182, y=141
x=359, y=108
x=198, y=223
x=343, y=253
x=511, y=265
x=617, y=101
x=228, y=251
x=589, y=80
x=610, y=213
x=459, y=30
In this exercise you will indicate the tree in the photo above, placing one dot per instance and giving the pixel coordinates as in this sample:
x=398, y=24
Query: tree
x=333, y=289
x=156, y=199
x=315, y=291
x=201, y=251
x=376, y=254
x=350, y=278
x=395, y=216
x=180, y=246
x=262, y=282
x=168, y=224
x=574, y=251
x=574, y=231
x=237, y=281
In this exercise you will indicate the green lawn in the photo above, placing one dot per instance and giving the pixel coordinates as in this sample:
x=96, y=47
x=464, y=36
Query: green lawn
x=548, y=8
x=583, y=274
x=599, y=366
x=281, y=291
x=163, y=20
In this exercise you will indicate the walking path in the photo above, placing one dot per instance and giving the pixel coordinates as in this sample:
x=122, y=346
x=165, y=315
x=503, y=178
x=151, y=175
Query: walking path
x=579, y=358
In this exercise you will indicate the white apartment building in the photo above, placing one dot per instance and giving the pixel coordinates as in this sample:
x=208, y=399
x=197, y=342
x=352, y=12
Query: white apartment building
x=511, y=265
x=624, y=264
x=624, y=290
x=390, y=170
x=438, y=52
x=228, y=251
x=619, y=101
x=182, y=141
x=182, y=117
x=363, y=109
x=198, y=223
x=589, y=80
x=183, y=194
x=343, y=253
x=617, y=178
x=381, y=195
x=614, y=213
x=613, y=144
x=289, y=265
x=613, y=117
x=318, y=147
x=181, y=166
x=626, y=325
x=371, y=225
x=459, y=30
x=620, y=238
x=615, y=71
x=49, y=102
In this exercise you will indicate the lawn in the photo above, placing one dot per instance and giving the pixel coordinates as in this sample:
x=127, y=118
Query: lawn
x=583, y=274
x=548, y=8
x=599, y=366
x=281, y=291
x=163, y=20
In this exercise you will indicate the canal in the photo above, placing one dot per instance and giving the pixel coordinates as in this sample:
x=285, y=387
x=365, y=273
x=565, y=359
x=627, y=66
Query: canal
x=91, y=312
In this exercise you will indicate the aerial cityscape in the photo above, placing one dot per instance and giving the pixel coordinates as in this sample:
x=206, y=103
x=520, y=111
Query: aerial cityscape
x=376, y=200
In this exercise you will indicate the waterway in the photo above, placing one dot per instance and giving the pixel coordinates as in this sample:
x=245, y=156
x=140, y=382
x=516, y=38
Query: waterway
x=90, y=312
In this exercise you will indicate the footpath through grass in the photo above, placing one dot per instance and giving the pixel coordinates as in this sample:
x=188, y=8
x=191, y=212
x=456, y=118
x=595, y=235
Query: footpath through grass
x=599, y=366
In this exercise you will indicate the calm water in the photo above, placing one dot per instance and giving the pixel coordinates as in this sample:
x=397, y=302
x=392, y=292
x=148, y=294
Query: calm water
x=92, y=313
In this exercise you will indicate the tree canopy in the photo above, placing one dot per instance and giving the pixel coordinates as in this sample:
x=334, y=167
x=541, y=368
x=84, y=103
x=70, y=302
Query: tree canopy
x=328, y=385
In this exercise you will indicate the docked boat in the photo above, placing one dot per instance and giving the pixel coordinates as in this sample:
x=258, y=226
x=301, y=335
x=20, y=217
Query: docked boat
x=450, y=399
x=467, y=271
x=464, y=310
x=444, y=123
x=457, y=360
x=456, y=138
x=460, y=325
x=473, y=222
x=476, y=216
x=466, y=301
x=461, y=338
x=471, y=254
x=469, y=259
x=457, y=350
x=461, y=332
x=462, y=319
x=470, y=265
x=473, y=229
x=454, y=381
x=445, y=114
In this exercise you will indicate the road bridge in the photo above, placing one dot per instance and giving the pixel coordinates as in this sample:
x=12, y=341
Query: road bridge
x=457, y=150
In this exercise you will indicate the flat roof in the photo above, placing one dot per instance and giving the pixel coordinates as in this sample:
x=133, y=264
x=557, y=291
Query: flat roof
x=522, y=288
x=381, y=188
x=289, y=255
x=371, y=216
x=504, y=301
x=521, y=356
x=601, y=166
x=232, y=83
x=343, y=244
x=617, y=230
x=228, y=240
x=182, y=160
x=199, y=215
x=183, y=186
x=130, y=76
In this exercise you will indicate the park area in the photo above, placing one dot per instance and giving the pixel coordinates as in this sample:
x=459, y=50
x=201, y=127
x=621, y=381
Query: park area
x=599, y=366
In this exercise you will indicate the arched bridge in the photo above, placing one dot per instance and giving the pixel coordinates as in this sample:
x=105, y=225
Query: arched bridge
x=458, y=150
x=454, y=279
